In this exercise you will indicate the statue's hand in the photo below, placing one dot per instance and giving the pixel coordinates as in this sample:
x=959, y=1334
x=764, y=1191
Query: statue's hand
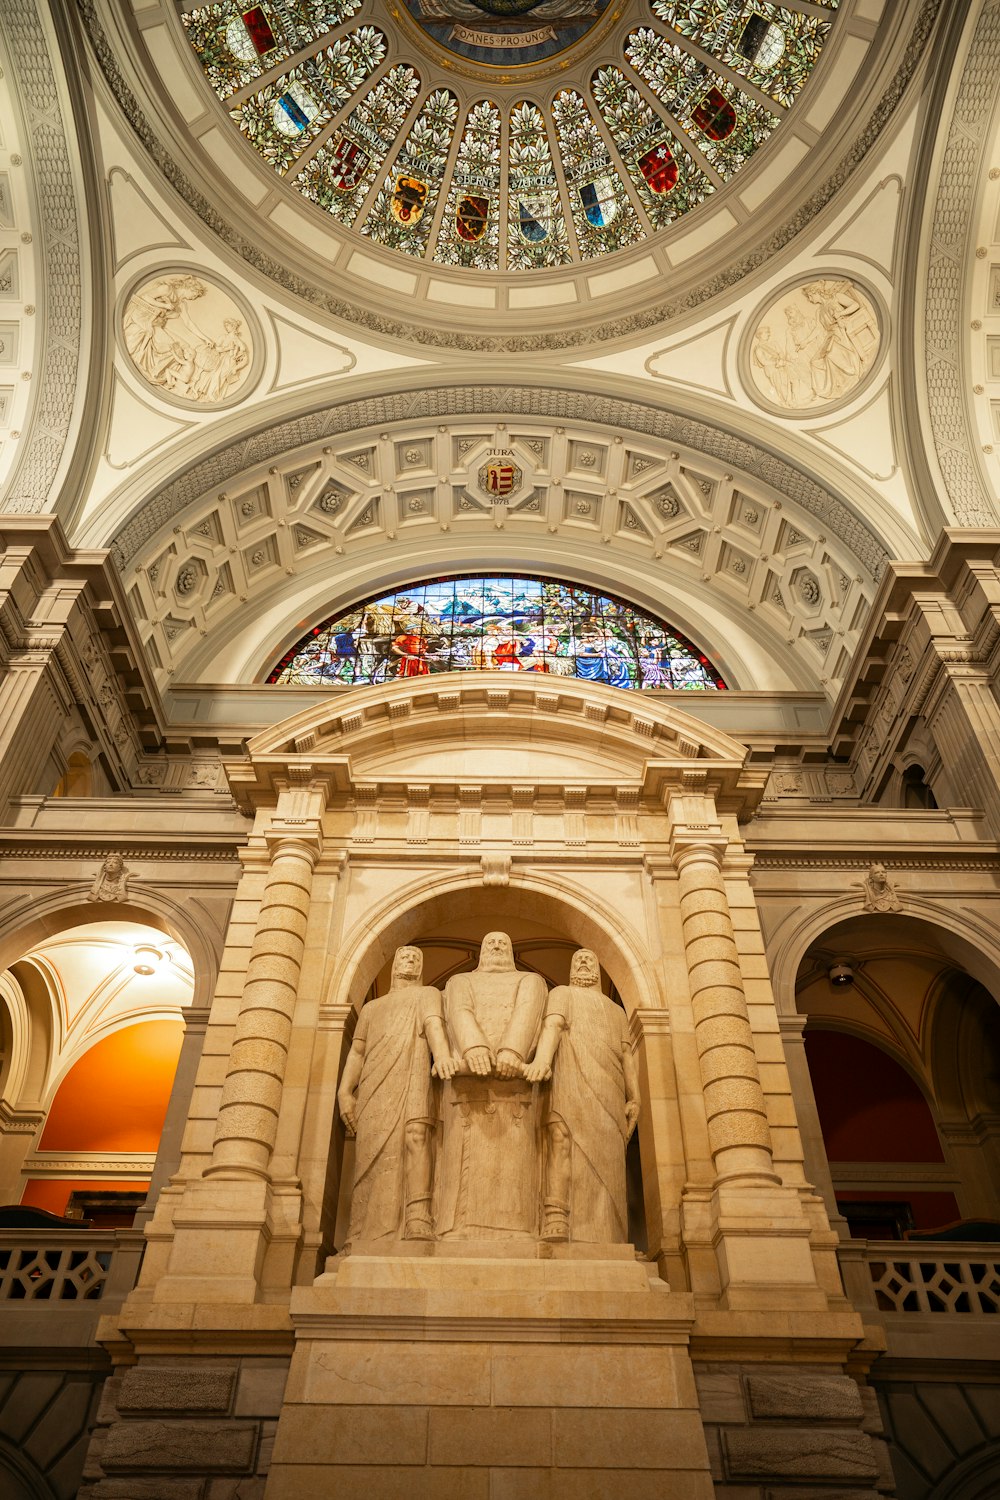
x=479, y=1060
x=631, y=1116
x=348, y=1116
x=447, y=1066
x=537, y=1072
x=509, y=1065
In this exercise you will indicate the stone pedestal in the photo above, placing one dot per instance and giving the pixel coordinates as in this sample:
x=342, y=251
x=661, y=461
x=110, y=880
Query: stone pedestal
x=490, y=1373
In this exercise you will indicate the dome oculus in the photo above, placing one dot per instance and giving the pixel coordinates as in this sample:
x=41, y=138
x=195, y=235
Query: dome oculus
x=508, y=182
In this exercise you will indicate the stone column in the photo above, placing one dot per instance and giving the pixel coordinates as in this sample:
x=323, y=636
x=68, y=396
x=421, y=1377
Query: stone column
x=251, y=1096
x=738, y=1132
x=813, y=1148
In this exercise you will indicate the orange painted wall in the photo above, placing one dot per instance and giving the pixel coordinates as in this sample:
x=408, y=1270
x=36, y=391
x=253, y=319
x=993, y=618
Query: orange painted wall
x=115, y=1098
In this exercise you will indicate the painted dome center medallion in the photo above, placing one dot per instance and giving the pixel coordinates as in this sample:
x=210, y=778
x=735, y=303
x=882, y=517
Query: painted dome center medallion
x=506, y=33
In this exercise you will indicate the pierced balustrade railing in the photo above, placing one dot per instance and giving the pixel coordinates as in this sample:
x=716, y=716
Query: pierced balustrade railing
x=72, y=1266
x=935, y=1278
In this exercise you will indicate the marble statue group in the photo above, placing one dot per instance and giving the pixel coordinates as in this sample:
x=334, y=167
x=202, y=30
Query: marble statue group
x=495, y=1110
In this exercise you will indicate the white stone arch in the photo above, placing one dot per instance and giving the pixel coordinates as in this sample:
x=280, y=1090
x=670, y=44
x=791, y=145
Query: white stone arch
x=26, y=1043
x=26, y=924
x=966, y=938
x=395, y=922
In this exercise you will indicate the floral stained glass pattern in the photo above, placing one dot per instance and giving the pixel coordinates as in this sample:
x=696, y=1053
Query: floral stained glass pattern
x=342, y=171
x=281, y=119
x=602, y=212
x=536, y=227
x=582, y=177
x=775, y=48
x=723, y=122
x=498, y=623
x=403, y=212
x=667, y=178
x=237, y=42
x=470, y=230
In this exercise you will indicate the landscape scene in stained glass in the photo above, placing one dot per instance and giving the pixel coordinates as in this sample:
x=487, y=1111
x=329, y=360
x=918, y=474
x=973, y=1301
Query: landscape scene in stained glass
x=492, y=623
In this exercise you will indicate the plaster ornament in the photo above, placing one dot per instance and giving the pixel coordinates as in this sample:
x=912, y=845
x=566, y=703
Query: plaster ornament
x=189, y=338
x=111, y=881
x=592, y=1108
x=386, y=1100
x=814, y=345
x=880, y=893
x=488, y=1175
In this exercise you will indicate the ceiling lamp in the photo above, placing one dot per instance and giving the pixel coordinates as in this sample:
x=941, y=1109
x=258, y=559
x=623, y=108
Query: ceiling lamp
x=146, y=958
x=841, y=974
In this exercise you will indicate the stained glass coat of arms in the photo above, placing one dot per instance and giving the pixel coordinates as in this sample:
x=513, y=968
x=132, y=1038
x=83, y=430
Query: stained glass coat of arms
x=494, y=623
x=653, y=124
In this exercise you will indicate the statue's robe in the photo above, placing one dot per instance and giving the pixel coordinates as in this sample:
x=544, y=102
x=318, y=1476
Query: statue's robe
x=488, y=1173
x=588, y=1094
x=396, y=1088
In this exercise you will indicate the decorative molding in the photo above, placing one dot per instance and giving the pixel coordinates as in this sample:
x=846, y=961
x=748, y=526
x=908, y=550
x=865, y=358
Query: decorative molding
x=535, y=404
x=31, y=486
x=955, y=201
x=583, y=332
x=12, y=848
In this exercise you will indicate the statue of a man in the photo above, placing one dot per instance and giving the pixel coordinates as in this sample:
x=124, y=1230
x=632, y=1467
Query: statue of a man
x=386, y=1100
x=592, y=1108
x=488, y=1175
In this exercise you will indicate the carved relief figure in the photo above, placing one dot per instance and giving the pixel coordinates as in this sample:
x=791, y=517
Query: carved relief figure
x=203, y=361
x=880, y=893
x=488, y=1173
x=828, y=343
x=111, y=882
x=592, y=1110
x=386, y=1100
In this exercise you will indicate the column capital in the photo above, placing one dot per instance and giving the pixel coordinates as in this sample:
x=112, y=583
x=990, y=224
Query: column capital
x=688, y=842
x=303, y=838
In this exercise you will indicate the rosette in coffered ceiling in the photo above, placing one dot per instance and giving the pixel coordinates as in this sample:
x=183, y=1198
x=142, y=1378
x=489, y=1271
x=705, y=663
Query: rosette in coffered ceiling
x=512, y=163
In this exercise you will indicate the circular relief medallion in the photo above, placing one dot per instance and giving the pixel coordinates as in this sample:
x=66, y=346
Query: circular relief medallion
x=506, y=33
x=191, y=338
x=813, y=346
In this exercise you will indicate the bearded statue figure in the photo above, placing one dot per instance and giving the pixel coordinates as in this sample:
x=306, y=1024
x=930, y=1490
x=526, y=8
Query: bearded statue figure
x=591, y=1109
x=488, y=1173
x=387, y=1101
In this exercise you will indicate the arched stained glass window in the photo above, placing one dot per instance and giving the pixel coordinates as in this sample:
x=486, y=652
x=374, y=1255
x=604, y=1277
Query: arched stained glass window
x=497, y=623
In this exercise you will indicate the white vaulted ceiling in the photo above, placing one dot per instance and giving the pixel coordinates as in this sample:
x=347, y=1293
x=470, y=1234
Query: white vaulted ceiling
x=346, y=460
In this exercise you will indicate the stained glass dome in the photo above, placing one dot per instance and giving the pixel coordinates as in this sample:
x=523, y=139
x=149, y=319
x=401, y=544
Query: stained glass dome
x=497, y=623
x=447, y=130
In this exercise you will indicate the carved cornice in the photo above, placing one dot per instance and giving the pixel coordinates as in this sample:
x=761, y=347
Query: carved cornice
x=173, y=847
x=583, y=332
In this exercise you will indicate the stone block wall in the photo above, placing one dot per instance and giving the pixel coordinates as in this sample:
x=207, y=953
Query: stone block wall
x=791, y=1432
x=173, y=1429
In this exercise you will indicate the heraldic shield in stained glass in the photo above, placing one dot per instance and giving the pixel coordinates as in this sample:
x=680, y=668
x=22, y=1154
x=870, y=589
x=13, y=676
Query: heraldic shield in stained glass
x=676, y=104
x=498, y=623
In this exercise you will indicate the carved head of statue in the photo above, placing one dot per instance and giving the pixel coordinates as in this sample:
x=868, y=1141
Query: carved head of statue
x=496, y=952
x=113, y=866
x=407, y=966
x=877, y=876
x=584, y=969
